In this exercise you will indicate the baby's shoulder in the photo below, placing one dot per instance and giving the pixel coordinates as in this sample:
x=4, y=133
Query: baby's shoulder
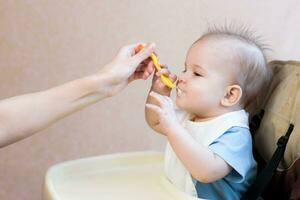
x=236, y=135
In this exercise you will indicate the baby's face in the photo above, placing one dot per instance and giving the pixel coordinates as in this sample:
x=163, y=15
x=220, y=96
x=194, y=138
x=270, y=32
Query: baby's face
x=202, y=84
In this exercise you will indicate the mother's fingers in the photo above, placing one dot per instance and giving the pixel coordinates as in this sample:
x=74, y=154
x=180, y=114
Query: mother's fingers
x=145, y=71
x=145, y=62
x=145, y=66
x=143, y=54
x=150, y=67
x=163, y=71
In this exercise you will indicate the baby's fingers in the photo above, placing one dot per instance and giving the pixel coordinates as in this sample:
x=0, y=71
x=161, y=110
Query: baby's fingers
x=173, y=77
x=167, y=73
x=158, y=97
x=154, y=108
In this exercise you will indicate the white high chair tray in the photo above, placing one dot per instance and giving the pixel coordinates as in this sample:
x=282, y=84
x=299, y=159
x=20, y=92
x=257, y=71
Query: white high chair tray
x=129, y=176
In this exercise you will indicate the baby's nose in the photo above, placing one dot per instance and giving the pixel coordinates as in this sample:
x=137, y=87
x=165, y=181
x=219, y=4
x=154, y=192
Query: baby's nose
x=180, y=80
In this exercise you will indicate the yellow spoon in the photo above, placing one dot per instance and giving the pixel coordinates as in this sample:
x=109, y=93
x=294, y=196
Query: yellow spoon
x=166, y=80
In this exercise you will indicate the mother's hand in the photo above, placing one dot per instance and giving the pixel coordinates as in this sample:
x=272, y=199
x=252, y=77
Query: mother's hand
x=129, y=64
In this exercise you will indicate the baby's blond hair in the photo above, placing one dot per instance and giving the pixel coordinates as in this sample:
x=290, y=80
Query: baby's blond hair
x=254, y=74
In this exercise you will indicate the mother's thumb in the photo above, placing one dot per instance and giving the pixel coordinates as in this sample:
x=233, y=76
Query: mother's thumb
x=144, y=53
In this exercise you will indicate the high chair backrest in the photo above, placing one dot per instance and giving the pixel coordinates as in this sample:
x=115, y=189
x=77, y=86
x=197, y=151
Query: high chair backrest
x=280, y=107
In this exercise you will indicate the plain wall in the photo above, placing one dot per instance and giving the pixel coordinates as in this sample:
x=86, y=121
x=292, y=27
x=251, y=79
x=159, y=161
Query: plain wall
x=44, y=43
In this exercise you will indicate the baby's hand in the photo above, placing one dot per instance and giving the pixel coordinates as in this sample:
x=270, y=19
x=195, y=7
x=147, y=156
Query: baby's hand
x=165, y=111
x=158, y=86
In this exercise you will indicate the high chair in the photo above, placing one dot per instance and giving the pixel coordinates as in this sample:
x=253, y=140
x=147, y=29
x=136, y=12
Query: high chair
x=130, y=176
x=278, y=160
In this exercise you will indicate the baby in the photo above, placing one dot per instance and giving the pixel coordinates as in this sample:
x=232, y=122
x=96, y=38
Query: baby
x=209, y=150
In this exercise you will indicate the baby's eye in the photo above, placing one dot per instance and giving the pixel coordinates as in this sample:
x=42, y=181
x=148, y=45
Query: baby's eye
x=197, y=74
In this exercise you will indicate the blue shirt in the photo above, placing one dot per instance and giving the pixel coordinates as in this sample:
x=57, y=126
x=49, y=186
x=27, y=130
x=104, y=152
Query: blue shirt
x=235, y=147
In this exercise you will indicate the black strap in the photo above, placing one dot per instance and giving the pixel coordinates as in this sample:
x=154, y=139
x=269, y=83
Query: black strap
x=255, y=121
x=266, y=174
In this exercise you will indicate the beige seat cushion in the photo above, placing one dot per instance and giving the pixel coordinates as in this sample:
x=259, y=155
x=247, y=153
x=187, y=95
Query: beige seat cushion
x=282, y=106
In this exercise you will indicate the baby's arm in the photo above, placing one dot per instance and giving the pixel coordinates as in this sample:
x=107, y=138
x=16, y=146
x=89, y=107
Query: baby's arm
x=203, y=164
x=159, y=87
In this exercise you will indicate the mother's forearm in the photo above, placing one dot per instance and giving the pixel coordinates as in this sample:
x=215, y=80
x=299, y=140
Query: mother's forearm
x=24, y=115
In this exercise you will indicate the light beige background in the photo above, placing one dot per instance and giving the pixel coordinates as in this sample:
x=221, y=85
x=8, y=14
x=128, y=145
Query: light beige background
x=44, y=43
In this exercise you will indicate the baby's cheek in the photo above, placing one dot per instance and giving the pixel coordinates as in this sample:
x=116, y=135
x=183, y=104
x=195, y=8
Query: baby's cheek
x=209, y=99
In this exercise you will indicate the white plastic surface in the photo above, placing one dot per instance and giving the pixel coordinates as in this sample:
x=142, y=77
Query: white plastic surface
x=134, y=176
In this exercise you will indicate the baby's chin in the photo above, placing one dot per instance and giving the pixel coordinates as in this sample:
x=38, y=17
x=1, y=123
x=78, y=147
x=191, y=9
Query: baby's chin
x=180, y=105
x=187, y=109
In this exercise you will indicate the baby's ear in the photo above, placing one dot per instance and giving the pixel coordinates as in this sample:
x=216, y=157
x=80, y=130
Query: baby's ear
x=232, y=95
